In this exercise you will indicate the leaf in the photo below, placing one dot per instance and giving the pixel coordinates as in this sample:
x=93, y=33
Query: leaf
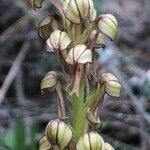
x=20, y=135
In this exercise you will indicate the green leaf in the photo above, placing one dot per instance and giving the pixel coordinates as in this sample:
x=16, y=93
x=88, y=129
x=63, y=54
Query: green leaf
x=19, y=135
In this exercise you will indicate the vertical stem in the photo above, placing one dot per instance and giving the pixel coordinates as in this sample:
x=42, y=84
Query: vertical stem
x=79, y=118
x=77, y=80
x=60, y=103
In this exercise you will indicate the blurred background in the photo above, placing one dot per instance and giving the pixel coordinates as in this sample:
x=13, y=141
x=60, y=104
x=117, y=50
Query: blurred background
x=24, y=112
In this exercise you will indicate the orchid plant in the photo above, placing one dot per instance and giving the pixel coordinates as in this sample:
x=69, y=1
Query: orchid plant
x=74, y=38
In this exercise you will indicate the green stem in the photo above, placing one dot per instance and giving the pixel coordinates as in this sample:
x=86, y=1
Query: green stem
x=79, y=118
x=87, y=31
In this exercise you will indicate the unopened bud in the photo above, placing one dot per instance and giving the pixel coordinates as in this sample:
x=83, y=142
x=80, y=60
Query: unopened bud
x=58, y=133
x=111, y=83
x=80, y=55
x=47, y=25
x=58, y=40
x=49, y=81
x=108, y=25
x=108, y=147
x=90, y=141
x=36, y=4
x=44, y=144
x=80, y=9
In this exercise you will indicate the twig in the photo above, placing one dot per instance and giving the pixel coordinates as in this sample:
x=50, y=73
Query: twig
x=14, y=70
x=19, y=88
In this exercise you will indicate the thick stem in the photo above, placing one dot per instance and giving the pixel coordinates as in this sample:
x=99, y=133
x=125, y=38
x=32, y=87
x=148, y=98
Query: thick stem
x=79, y=118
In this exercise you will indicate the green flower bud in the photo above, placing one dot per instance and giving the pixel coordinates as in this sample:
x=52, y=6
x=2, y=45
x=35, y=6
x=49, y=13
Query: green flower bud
x=44, y=144
x=58, y=40
x=36, y=4
x=49, y=82
x=90, y=141
x=58, y=133
x=79, y=55
x=80, y=9
x=108, y=147
x=47, y=25
x=107, y=24
x=111, y=83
